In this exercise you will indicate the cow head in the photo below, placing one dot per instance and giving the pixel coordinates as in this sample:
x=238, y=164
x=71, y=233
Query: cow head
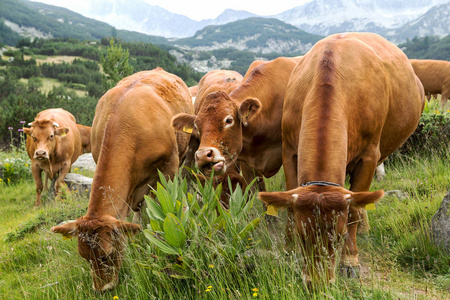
x=218, y=125
x=101, y=242
x=320, y=219
x=44, y=135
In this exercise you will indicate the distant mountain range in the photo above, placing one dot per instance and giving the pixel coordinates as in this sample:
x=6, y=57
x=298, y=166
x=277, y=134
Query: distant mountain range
x=396, y=20
x=231, y=41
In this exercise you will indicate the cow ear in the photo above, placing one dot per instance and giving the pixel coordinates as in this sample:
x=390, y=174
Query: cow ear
x=361, y=199
x=61, y=131
x=67, y=229
x=128, y=228
x=278, y=199
x=27, y=131
x=248, y=109
x=183, y=122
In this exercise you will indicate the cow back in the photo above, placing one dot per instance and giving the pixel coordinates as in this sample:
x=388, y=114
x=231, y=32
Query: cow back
x=348, y=93
x=154, y=95
x=434, y=74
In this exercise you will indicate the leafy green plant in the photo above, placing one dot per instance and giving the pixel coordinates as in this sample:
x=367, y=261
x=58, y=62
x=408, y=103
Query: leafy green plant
x=181, y=221
x=169, y=216
x=16, y=167
x=236, y=230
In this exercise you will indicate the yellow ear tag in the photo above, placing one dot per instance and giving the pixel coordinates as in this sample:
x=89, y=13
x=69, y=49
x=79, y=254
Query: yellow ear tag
x=188, y=130
x=63, y=134
x=272, y=211
x=67, y=237
x=370, y=206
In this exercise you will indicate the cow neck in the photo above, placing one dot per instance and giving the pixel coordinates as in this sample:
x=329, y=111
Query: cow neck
x=322, y=153
x=112, y=180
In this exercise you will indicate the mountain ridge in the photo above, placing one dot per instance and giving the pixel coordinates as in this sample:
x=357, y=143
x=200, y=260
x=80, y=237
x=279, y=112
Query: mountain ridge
x=378, y=16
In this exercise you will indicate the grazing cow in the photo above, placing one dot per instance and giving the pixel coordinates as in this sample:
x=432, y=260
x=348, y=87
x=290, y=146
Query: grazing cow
x=351, y=101
x=85, y=135
x=435, y=77
x=53, y=145
x=244, y=127
x=131, y=140
x=213, y=81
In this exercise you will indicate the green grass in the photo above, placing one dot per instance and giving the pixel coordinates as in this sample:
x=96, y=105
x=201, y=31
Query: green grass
x=398, y=259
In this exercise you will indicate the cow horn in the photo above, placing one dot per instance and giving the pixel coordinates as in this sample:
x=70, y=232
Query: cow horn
x=55, y=124
x=30, y=124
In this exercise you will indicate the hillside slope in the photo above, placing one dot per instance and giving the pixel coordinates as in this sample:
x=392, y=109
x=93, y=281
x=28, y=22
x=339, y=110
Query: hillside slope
x=34, y=19
x=259, y=35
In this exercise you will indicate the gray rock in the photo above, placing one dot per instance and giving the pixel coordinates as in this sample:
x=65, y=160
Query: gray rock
x=85, y=162
x=396, y=193
x=79, y=183
x=440, y=224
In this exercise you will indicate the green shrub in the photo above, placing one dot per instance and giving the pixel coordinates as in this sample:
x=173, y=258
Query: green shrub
x=180, y=222
x=433, y=131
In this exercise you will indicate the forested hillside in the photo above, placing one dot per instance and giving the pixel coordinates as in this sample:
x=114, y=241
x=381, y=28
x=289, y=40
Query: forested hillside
x=428, y=47
x=76, y=83
x=44, y=20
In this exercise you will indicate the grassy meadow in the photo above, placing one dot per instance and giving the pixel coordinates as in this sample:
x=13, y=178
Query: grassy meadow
x=398, y=259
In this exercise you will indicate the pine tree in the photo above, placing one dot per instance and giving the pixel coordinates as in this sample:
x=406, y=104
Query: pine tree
x=115, y=64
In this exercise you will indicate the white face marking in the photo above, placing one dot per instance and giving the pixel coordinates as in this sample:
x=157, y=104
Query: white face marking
x=228, y=121
x=295, y=196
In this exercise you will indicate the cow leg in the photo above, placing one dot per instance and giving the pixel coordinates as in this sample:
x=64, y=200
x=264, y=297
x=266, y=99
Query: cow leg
x=45, y=181
x=360, y=180
x=37, y=172
x=290, y=166
x=59, y=182
x=444, y=96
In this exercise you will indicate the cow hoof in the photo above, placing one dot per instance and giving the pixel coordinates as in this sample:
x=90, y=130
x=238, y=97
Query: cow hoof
x=350, y=271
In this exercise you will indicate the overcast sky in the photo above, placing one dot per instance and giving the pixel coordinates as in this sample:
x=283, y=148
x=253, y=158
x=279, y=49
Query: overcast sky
x=201, y=9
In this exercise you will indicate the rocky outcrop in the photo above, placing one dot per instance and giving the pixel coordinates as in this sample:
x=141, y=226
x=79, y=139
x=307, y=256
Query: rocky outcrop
x=85, y=162
x=440, y=224
x=79, y=184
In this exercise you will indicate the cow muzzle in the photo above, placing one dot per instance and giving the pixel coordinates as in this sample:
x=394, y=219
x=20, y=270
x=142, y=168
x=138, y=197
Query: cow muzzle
x=41, y=154
x=210, y=159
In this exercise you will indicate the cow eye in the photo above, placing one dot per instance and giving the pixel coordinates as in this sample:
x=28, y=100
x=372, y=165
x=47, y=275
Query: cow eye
x=229, y=121
x=51, y=136
x=34, y=139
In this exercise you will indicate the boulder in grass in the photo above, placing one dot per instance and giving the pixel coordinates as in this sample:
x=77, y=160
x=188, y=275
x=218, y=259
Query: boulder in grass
x=440, y=224
x=79, y=183
x=85, y=162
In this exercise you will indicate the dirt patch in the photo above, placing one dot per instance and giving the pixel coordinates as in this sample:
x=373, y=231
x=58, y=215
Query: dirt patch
x=53, y=59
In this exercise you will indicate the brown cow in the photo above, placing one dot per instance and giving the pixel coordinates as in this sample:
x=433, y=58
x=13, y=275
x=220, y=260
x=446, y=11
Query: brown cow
x=351, y=101
x=85, y=135
x=434, y=75
x=216, y=80
x=213, y=81
x=53, y=144
x=131, y=140
x=243, y=127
